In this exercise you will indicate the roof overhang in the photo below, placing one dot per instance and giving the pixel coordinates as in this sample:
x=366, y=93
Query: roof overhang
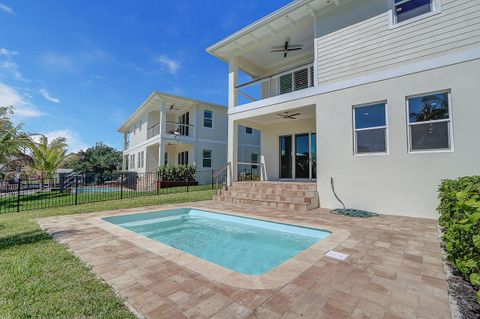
x=279, y=23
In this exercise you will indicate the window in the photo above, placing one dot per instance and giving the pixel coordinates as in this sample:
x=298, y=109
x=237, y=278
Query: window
x=165, y=161
x=207, y=118
x=404, y=10
x=248, y=130
x=125, y=162
x=132, y=161
x=140, y=159
x=207, y=158
x=370, y=128
x=254, y=159
x=429, y=122
x=183, y=158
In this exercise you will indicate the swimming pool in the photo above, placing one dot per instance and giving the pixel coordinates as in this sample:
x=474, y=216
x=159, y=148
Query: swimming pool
x=245, y=245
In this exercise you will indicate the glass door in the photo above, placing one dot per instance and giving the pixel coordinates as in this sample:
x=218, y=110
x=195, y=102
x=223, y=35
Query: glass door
x=302, y=156
x=313, y=154
x=285, y=156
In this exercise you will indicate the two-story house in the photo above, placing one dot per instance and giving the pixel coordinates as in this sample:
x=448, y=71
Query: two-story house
x=381, y=95
x=169, y=129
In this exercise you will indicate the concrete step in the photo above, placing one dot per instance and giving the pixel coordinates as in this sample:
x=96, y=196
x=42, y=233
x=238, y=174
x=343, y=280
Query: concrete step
x=294, y=186
x=261, y=203
x=233, y=192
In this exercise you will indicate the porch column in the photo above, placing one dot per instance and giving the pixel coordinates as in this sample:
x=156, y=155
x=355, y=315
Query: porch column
x=163, y=119
x=232, y=149
x=232, y=82
x=161, y=153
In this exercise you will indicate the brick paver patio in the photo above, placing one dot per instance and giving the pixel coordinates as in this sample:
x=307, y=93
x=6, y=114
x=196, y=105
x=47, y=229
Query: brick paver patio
x=394, y=270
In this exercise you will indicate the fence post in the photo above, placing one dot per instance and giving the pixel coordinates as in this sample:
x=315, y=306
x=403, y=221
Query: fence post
x=212, y=177
x=18, y=193
x=121, y=186
x=158, y=182
x=186, y=182
x=76, y=189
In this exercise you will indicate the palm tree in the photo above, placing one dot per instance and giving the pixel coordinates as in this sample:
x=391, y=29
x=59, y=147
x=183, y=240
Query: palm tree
x=47, y=156
x=13, y=141
x=435, y=107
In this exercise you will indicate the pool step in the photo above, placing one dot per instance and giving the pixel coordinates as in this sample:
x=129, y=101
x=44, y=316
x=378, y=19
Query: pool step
x=293, y=196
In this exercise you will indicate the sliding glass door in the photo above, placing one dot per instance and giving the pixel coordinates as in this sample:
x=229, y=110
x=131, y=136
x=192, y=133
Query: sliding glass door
x=301, y=163
x=286, y=156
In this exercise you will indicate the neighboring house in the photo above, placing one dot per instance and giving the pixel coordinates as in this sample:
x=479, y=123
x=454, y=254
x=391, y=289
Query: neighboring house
x=381, y=95
x=169, y=129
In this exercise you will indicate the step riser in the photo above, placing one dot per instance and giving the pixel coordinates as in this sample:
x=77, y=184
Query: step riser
x=273, y=191
x=276, y=186
x=290, y=206
x=277, y=198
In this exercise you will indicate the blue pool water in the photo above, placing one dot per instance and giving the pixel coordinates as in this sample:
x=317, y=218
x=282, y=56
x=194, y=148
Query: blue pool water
x=245, y=245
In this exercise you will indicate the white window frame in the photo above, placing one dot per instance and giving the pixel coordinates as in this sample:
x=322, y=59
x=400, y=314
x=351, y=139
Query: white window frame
x=436, y=9
x=204, y=158
x=132, y=161
x=449, y=120
x=355, y=130
x=203, y=118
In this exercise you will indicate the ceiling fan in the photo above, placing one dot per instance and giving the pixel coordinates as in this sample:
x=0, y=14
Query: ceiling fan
x=288, y=116
x=286, y=48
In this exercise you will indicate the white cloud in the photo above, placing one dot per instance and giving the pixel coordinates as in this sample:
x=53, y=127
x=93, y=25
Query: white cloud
x=6, y=9
x=49, y=97
x=169, y=64
x=23, y=107
x=74, y=140
x=7, y=66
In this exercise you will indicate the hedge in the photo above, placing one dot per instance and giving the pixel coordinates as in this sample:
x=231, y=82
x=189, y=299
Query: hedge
x=460, y=217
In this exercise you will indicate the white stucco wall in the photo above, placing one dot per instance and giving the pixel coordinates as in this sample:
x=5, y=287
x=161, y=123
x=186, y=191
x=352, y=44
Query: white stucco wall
x=400, y=182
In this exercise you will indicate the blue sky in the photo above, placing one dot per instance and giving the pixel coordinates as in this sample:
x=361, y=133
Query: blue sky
x=79, y=68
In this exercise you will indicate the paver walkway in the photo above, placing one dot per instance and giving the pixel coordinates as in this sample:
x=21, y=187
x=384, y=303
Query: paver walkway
x=394, y=270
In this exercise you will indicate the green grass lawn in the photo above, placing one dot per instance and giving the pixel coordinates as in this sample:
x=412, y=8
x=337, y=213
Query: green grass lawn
x=40, y=278
x=8, y=203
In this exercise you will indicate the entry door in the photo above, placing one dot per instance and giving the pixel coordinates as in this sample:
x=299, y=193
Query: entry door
x=184, y=119
x=302, y=156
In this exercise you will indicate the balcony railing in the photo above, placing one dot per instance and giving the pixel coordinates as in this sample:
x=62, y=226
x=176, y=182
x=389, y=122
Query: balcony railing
x=295, y=79
x=153, y=131
x=181, y=129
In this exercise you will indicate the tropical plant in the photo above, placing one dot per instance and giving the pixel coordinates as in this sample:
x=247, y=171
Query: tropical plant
x=177, y=172
x=435, y=107
x=47, y=156
x=460, y=217
x=101, y=161
x=13, y=141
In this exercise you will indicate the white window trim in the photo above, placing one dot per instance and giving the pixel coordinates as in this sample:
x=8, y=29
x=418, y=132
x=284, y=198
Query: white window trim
x=203, y=118
x=355, y=130
x=449, y=120
x=436, y=9
x=210, y=158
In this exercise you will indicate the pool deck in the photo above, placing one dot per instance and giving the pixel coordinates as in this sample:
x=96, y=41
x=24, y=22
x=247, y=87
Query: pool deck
x=394, y=270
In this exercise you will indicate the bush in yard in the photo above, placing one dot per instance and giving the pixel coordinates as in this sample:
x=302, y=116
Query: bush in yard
x=177, y=172
x=460, y=216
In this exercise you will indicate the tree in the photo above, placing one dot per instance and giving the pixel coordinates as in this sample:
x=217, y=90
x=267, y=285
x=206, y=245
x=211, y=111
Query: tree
x=101, y=161
x=435, y=107
x=13, y=141
x=47, y=157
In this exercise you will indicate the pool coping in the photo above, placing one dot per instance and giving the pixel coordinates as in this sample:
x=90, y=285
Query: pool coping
x=275, y=278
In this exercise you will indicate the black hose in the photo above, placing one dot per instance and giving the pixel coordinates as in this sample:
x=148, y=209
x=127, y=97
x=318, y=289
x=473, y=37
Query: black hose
x=334, y=193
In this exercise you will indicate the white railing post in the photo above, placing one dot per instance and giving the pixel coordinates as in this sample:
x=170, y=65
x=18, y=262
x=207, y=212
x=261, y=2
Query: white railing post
x=232, y=82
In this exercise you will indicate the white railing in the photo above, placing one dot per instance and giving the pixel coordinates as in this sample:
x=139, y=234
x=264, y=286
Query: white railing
x=181, y=129
x=153, y=131
x=298, y=78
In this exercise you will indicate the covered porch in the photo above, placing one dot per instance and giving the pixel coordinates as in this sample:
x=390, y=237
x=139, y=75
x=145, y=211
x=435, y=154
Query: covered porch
x=288, y=148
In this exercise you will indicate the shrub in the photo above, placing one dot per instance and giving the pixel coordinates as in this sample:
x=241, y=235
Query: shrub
x=177, y=172
x=460, y=216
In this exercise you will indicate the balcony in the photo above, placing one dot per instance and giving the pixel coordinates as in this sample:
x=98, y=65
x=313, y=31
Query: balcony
x=179, y=129
x=153, y=131
x=298, y=78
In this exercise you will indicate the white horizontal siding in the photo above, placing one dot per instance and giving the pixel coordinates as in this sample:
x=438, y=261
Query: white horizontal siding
x=356, y=48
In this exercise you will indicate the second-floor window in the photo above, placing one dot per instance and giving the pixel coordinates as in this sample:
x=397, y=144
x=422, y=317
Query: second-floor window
x=404, y=10
x=370, y=128
x=207, y=118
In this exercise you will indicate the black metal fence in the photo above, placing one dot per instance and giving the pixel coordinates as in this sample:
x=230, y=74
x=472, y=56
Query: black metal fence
x=75, y=189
